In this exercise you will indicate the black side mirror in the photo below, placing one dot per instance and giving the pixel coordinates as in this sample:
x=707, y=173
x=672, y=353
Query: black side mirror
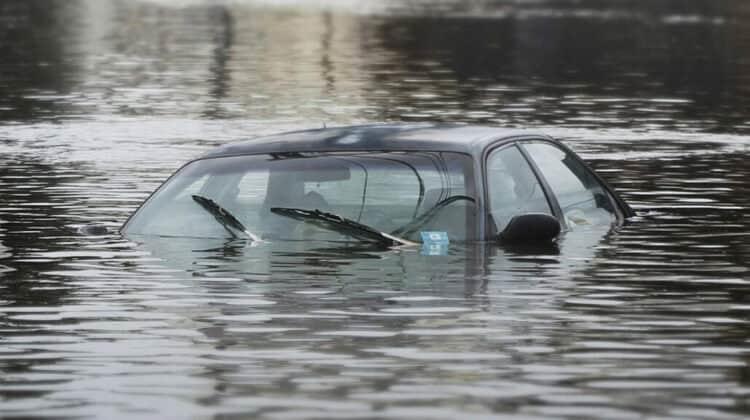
x=531, y=227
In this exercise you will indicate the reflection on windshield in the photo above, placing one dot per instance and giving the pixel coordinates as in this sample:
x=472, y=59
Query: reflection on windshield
x=383, y=191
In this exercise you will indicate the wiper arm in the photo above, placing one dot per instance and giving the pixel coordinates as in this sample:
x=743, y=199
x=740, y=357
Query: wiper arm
x=425, y=217
x=224, y=217
x=336, y=223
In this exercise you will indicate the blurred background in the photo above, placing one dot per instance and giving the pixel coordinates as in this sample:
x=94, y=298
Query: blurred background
x=676, y=64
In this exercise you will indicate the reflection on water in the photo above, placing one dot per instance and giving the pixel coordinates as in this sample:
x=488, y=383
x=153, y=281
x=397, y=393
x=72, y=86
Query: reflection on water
x=555, y=62
x=101, y=100
x=4, y=251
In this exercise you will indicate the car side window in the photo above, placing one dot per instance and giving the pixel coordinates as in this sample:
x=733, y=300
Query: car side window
x=583, y=200
x=512, y=187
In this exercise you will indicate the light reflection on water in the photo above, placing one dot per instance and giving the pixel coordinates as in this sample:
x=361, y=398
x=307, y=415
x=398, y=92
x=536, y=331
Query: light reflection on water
x=647, y=320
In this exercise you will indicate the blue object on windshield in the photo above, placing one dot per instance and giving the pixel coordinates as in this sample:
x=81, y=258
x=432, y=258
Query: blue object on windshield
x=435, y=237
x=434, y=243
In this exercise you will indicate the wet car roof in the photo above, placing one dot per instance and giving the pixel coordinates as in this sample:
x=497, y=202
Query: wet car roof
x=468, y=139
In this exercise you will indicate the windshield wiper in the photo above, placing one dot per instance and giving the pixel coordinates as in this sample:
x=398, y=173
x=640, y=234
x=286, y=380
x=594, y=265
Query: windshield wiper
x=425, y=217
x=336, y=223
x=224, y=217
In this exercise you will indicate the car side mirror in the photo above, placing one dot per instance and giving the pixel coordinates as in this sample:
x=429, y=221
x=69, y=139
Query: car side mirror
x=531, y=227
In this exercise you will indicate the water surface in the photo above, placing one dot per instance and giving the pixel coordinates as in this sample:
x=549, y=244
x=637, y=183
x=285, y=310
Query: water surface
x=101, y=100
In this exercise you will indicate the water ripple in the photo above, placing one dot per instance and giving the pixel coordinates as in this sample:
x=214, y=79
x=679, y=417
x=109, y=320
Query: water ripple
x=647, y=320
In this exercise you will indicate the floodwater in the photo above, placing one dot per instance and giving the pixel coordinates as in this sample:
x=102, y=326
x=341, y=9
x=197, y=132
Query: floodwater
x=101, y=100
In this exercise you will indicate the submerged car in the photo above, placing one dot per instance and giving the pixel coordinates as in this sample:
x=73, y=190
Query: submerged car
x=389, y=184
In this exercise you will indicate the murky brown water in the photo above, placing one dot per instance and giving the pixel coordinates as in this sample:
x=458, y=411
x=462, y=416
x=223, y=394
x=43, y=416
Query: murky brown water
x=101, y=100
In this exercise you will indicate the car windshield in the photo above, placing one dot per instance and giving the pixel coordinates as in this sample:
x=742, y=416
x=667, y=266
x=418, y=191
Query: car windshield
x=397, y=193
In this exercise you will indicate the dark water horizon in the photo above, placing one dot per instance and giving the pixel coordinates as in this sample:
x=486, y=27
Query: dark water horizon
x=101, y=100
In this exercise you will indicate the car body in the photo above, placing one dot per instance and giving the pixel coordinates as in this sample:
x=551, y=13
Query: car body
x=390, y=183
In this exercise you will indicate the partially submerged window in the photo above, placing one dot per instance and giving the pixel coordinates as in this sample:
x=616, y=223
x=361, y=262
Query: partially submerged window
x=512, y=187
x=390, y=192
x=583, y=200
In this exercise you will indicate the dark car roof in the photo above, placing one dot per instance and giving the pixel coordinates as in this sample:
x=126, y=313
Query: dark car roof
x=405, y=137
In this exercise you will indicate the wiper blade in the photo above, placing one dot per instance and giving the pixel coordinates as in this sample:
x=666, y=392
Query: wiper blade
x=340, y=224
x=224, y=217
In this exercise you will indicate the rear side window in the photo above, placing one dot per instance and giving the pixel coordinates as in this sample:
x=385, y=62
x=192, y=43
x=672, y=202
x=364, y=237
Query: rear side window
x=512, y=187
x=583, y=200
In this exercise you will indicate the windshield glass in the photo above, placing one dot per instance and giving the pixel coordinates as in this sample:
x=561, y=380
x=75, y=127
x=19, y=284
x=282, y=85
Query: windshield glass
x=407, y=193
